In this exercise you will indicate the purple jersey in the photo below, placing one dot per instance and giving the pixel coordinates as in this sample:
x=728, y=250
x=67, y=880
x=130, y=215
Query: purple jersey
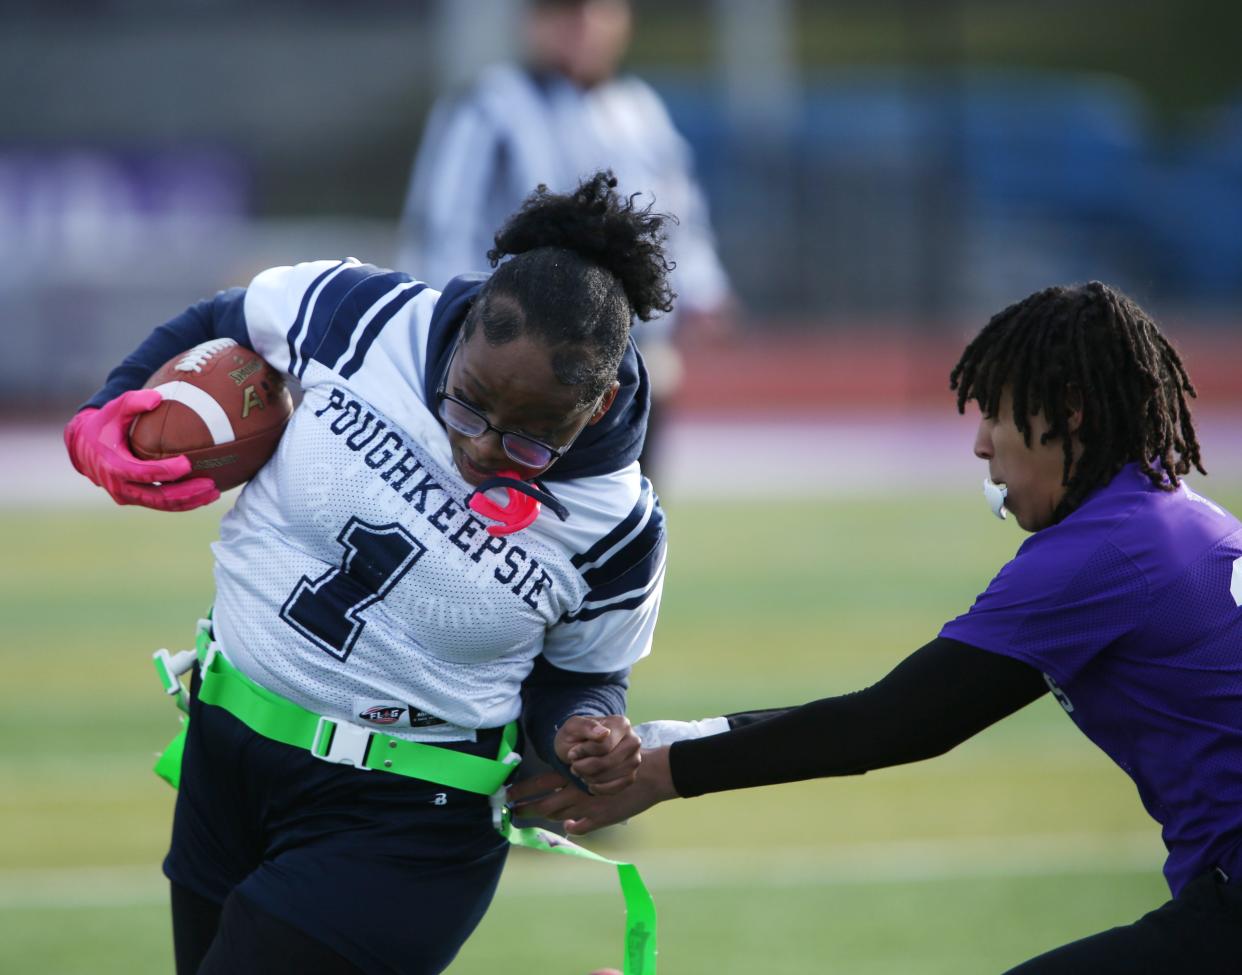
x=1132, y=608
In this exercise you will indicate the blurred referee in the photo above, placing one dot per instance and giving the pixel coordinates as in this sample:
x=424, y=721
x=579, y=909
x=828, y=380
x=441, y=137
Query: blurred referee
x=563, y=113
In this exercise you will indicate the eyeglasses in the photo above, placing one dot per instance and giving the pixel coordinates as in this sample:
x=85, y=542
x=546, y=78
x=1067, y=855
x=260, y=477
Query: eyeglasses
x=471, y=422
x=466, y=420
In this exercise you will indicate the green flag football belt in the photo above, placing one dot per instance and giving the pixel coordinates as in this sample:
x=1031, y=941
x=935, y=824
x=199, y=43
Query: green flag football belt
x=340, y=742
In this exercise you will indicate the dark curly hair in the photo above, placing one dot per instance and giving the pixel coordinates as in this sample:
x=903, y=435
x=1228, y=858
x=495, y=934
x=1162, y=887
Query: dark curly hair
x=580, y=267
x=1087, y=346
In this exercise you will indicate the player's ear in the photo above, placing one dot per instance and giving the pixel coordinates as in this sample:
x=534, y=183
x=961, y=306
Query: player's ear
x=1074, y=408
x=605, y=404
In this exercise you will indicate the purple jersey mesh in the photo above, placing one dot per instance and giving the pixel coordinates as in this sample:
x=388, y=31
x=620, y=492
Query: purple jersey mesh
x=1126, y=605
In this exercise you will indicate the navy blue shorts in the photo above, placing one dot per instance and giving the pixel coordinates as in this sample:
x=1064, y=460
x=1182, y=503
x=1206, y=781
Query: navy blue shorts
x=390, y=872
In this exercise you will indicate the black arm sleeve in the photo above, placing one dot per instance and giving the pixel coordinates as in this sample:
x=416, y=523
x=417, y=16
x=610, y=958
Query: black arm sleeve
x=743, y=718
x=551, y=696
x=935, y=699
x=220, y=317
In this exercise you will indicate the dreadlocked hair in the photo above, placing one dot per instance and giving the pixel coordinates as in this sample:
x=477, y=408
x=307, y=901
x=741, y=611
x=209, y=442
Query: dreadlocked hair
x=580, y=267
x=1087, y=347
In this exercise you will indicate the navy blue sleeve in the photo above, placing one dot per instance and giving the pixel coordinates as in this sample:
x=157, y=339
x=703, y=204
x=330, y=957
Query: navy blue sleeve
x=221, y=317
x=551, y=696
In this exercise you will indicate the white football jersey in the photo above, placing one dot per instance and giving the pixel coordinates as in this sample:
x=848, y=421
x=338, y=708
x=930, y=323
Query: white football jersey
x=350, y=576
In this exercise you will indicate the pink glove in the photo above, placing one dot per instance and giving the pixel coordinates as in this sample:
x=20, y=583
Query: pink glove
x=98, y=445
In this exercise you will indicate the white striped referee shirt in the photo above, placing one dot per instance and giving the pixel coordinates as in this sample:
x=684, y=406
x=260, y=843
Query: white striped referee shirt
x=485, y=150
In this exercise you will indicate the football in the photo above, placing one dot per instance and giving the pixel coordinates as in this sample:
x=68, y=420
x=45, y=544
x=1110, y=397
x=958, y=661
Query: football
x=224, y=408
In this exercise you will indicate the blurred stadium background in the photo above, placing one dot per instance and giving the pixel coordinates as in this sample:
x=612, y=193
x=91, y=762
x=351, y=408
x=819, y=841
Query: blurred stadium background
x=883, y=177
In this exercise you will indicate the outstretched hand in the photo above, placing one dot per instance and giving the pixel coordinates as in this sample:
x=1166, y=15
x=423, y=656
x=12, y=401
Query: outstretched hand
x=98, y=445
x=552, y=796
x=603, y=752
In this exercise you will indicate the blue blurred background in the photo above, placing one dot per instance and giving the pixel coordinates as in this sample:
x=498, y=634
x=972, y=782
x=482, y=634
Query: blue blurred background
x=904, y=166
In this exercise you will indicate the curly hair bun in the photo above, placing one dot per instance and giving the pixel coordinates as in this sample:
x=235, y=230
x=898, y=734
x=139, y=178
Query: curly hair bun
x=602, y=227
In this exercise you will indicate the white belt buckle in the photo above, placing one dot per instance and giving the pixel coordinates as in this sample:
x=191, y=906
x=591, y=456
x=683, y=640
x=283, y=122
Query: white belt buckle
x=170, y=668
x=349, y=743
x=499, y=799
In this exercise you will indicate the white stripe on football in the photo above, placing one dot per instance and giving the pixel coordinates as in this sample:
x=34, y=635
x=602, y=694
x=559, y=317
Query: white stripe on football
x=200, y=402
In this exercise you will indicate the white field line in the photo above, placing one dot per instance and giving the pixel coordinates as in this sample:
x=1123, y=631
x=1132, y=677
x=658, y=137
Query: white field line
x=900, y=862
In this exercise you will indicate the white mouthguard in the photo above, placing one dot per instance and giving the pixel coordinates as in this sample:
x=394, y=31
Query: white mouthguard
x=994, y=494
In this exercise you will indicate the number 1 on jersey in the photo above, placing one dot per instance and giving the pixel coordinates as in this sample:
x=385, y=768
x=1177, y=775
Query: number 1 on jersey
x=327, y=611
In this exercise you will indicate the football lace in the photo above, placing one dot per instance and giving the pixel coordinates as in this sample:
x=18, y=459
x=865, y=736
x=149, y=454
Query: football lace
x=196, y=358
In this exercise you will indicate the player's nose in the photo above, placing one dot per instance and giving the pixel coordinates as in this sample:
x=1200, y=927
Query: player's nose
x=489, y=453
x=983, y=439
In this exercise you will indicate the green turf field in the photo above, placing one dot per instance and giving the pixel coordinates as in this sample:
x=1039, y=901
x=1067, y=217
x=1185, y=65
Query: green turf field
x=1017, y=841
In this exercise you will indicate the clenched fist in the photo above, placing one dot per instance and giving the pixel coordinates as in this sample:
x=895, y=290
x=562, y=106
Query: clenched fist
x=602, y=752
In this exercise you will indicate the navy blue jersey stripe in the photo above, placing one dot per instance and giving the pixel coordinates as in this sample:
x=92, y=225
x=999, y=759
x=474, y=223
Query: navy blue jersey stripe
x=375, y=326
x=650, y=538
x=331, y=325
x=344, y=319
x=627, y=525
x=592, y=612
x=637, y=576
x=296, y=327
